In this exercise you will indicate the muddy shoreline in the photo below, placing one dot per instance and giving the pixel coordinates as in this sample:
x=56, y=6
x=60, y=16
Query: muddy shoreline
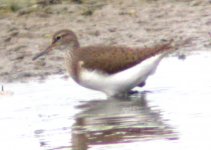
x=134, y=24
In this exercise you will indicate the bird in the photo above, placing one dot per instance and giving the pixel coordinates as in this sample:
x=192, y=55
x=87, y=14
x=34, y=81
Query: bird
x=113, y=70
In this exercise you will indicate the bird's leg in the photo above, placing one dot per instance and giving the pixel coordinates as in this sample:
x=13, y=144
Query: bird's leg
x=142, y=84
x=131, y=92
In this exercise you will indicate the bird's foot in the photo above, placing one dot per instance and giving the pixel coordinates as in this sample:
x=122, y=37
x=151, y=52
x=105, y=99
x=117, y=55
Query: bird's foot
x=132, y=92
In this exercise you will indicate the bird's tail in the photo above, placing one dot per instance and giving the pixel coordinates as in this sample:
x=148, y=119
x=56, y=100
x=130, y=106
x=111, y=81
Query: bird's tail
x=162, y=49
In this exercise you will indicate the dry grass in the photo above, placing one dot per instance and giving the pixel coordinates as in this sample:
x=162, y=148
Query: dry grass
x=15, y=5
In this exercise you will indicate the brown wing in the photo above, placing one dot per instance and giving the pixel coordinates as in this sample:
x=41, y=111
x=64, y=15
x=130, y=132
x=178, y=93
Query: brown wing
x=112, y=59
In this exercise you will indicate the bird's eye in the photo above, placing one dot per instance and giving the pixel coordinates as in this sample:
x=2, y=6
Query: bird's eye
x=58, y=38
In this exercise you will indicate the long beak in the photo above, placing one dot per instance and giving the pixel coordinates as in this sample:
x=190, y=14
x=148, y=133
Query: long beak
x=50, y=48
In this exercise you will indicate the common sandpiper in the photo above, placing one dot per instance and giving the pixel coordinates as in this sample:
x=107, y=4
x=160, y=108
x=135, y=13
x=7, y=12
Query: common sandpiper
x=114, y=70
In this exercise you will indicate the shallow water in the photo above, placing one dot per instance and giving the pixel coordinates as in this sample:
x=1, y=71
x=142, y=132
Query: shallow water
x=171, y=112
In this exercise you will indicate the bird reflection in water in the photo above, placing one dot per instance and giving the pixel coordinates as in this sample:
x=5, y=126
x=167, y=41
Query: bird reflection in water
x=118, y=121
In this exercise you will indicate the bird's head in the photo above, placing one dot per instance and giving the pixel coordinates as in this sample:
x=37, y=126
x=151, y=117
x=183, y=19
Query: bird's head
x=62, y=40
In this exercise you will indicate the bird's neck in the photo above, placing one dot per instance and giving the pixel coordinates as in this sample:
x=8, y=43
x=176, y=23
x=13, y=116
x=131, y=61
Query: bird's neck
x=75, y=44
x=70, y=47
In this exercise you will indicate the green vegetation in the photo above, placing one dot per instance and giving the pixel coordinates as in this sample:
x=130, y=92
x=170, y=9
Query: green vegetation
x=15, y=5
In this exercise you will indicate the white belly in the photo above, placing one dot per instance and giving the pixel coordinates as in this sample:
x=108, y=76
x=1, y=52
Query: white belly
x=122, y=81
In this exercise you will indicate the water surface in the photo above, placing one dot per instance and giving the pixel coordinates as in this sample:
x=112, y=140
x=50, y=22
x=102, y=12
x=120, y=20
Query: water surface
x=171, y=112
